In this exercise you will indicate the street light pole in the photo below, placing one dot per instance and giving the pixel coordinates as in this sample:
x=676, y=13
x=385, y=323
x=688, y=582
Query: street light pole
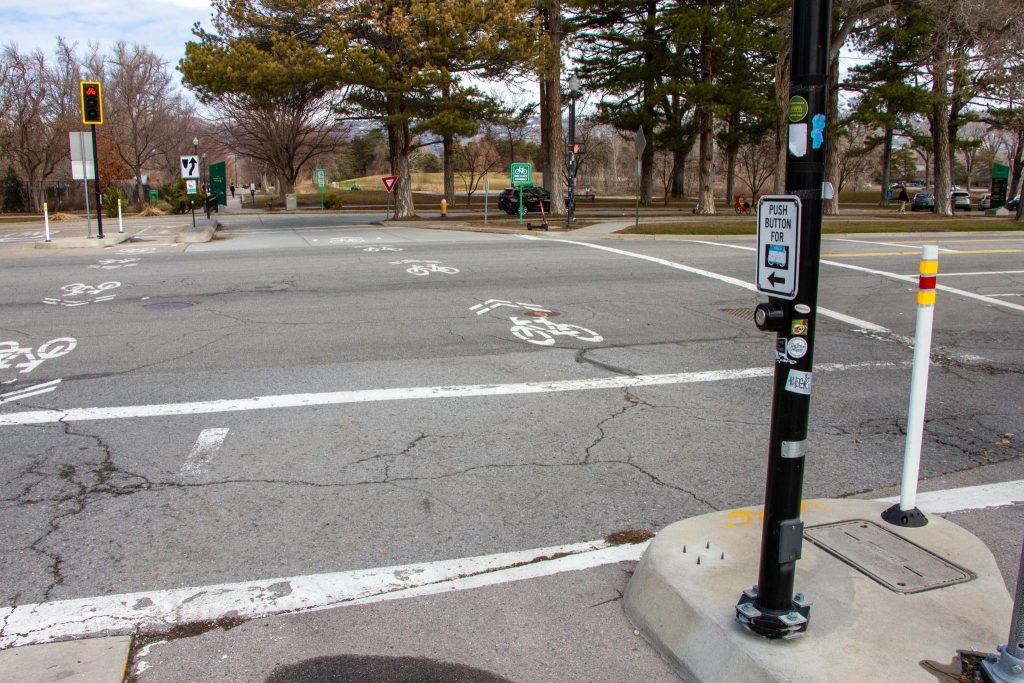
x=574, y=90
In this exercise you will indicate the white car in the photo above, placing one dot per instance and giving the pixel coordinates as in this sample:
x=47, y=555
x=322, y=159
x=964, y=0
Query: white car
x=960, y=200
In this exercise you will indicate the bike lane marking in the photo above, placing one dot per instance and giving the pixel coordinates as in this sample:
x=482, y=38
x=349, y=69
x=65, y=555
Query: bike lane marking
x=280, y=401
x=162, y=609
x=206, y=446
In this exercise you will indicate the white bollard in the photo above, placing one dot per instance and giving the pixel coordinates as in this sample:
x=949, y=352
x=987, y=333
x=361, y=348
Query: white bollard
x=120, y=223
x=46, y=220
x=905, y=513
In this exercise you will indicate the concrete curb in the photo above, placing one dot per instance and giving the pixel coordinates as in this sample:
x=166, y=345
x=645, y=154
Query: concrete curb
x=198, y=234
x=108, y=240
x=93, y=660
x=859, y=629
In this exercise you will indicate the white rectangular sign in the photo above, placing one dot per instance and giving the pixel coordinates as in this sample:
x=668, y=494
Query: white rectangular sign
x=191, y=186
x=82, y=167
x=778, y=245
x=189, y=167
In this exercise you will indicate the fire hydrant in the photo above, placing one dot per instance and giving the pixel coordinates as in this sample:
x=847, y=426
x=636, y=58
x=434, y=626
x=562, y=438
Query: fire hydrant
x=444, y=207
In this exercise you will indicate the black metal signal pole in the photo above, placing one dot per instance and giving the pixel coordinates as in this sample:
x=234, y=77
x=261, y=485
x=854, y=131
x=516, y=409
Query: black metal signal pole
x=770, y=608
x=96, y=173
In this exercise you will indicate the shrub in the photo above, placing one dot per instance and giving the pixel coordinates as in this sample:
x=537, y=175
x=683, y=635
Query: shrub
x=110, y=198
x=177, y=200
x=13, y=198
x=333, y=201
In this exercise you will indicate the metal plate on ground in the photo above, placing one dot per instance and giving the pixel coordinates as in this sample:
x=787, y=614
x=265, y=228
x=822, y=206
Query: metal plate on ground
x=891, y=560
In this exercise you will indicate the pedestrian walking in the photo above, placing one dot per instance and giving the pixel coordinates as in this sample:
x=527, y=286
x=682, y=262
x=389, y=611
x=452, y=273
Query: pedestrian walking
x=232, y=190
x=903, y=198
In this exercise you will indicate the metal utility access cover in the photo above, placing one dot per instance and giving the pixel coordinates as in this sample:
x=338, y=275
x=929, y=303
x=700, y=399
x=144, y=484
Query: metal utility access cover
x=888, y=558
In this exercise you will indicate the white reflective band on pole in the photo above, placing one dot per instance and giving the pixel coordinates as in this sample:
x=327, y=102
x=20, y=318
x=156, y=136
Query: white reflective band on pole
x=929, y=268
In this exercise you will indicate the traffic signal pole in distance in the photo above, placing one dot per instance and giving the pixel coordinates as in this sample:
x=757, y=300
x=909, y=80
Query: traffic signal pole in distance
x=92, y=115
x=788, y=272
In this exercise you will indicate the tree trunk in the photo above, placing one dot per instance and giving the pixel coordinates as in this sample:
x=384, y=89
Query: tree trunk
x=551, y=115
x=940, y=126
x=782, y=72
x=398, y=155
x=647, y=170
x=679, y=172
x=706, y=128
x=830, y=207
x=886, y=164
x=448, y=163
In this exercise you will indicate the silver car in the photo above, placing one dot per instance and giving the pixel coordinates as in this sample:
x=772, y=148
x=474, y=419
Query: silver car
x=960, y=200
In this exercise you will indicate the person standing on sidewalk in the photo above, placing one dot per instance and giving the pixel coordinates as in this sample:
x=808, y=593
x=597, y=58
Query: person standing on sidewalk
x=903, y=199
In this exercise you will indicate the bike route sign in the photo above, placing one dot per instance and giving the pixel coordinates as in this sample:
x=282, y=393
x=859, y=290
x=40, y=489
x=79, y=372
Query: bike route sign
x=778, y=245
x=521, y=173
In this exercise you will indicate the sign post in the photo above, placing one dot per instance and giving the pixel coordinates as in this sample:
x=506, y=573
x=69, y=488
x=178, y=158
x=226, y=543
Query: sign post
x=521, y=175
x=321, y=183
x=389, y=184
x=789, y=251
x=639, y=144
x=82, y=164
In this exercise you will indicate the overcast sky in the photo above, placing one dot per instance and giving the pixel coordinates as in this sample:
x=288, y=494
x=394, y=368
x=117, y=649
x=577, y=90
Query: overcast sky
x=161, y=25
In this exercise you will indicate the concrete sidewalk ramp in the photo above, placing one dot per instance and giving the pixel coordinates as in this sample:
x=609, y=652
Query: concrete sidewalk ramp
x=684, y=593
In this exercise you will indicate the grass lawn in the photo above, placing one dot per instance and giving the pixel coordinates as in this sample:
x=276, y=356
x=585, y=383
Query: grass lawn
x=835, y=226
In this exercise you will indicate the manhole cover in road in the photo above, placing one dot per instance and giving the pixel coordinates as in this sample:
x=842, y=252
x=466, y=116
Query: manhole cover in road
x=380, y=669
x=540, y=314
x=169, y=305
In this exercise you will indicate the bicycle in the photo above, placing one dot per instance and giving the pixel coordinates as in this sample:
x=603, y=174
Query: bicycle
x=431, y=268
x=741, y=206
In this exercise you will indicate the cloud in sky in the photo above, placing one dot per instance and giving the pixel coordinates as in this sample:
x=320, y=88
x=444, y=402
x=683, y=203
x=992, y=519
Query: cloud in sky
x=161, y=25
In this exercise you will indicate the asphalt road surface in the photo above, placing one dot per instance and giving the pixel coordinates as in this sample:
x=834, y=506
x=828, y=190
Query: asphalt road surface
x=317, y=394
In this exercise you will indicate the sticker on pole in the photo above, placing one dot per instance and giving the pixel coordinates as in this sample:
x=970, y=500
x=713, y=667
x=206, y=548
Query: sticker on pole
x=389, y=182
x=778, y=245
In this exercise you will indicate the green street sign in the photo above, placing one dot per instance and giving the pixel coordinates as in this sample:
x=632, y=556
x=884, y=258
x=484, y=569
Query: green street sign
x=521, y=173
x=321, y=178
x=219, y=182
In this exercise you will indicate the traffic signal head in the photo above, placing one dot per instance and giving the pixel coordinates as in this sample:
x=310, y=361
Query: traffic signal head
x=92, y=102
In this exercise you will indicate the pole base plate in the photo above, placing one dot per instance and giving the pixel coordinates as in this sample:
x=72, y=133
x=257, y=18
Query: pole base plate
x=907, y=518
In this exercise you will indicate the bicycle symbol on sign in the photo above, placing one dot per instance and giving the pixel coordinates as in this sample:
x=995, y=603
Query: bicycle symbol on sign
x=79, y=289
x=12, y=350
x=537, y=328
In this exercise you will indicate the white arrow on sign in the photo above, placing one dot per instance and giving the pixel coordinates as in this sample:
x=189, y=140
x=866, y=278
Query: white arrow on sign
x=190, y=167
x=778, y=245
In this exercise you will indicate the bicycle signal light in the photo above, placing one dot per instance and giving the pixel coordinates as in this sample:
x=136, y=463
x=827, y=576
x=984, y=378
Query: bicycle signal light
x=92, y=102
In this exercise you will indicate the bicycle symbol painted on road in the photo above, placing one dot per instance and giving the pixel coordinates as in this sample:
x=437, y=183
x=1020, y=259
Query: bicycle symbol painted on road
x=10, y=351
x=383, y=247
x=536, y=327
x=137, y=250
x=115, y=263
x=26, y=236
x=78, y=289
x=420, y=267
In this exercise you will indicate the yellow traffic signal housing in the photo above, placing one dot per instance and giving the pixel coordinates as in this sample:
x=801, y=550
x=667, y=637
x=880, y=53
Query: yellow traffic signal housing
x=92, y=102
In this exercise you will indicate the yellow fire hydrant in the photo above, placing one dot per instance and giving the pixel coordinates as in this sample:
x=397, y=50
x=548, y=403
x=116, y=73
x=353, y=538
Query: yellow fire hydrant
x=444, y=207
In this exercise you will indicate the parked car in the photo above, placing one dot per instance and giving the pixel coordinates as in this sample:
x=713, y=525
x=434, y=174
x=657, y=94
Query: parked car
x=923, y=201
x=960, y=200
x=508, y=200
x=1013, y=203
x=985, y=203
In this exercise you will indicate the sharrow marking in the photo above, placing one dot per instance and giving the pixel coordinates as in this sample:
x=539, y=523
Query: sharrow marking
x=207, y=445
x=402, y=394
x=162, y=609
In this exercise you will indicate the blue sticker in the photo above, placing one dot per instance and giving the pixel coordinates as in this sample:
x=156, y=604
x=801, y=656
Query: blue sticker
x=817, y=131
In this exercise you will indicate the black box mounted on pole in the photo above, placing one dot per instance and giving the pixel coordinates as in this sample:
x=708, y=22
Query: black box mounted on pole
x=789, y=231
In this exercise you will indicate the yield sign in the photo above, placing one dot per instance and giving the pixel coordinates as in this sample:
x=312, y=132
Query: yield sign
x=389, y=182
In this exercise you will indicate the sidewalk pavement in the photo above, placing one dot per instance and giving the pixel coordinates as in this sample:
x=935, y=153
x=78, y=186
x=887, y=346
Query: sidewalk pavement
x=570, y=626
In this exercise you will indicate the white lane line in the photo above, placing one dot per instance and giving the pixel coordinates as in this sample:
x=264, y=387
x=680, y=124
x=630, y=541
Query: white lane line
x=207, y=445
x=402, y=394
x=982, y=272
x=163, y=609
x=826, y=312
x=34, y=390
x=872, y=271
x=884, y=244
x=968, y=498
